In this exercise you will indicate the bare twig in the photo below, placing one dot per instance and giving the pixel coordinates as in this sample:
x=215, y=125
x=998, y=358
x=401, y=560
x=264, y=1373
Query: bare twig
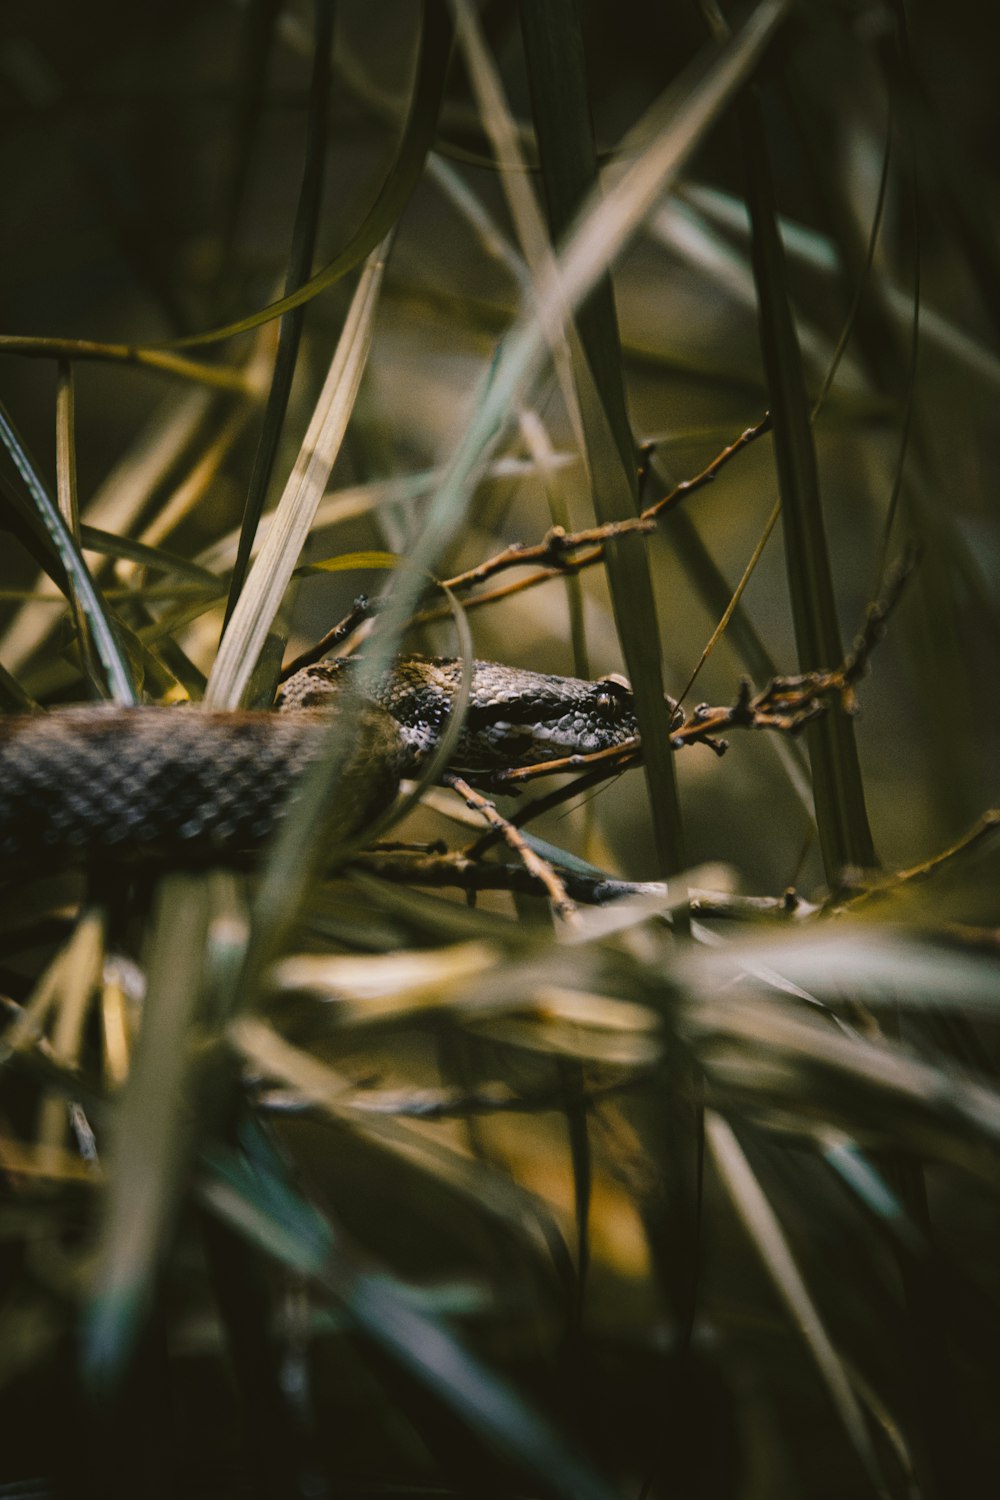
x=558, y=554
x=786, y=704
x=458, y=870
x=447, y=1103
x=985, y=827
x=360, y=611
x=563, y=907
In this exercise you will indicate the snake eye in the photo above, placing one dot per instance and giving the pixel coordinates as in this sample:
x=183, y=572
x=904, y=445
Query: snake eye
x=614, y=695
x=612, y=706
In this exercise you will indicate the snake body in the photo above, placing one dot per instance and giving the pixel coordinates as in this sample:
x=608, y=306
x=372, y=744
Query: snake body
x=189, y=786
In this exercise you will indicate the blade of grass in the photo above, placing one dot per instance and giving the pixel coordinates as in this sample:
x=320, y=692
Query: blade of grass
x=841, y=815
x=152, y=1134
x=265, y=1208
x=249, y=104
x=66, y=497
x=116, y=676
x=153, y=450
x=241, y=645
x=393, y=196
x=768, y=1237
x=155, y=559
x=215, y=377
x=81, y=980
x=299, y=264
x=554, y=52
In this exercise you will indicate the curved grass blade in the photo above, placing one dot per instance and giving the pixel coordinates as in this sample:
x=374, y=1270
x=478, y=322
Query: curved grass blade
x=68, y=501
x=118, y=680
x=881, y=967
x=405, y=173
x=214, y=377
x=152, y=451
x=155, y=559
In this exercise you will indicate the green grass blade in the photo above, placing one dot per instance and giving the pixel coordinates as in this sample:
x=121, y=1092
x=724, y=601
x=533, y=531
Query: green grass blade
x=299, y=264
x=264, y=1207
x=764, y=1228
x=118, y=678
x=395, y=193
x=157, y=559
x=841, y=815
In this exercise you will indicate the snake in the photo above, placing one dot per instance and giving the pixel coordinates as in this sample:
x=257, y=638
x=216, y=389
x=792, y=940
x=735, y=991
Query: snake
x=183, y=785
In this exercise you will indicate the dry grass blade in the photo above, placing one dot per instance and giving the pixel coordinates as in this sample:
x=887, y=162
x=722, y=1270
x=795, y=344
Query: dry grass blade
x=265, y=587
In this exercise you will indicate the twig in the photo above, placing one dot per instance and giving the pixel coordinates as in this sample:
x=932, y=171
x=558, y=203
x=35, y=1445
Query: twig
x=786, y=704
x=461, y=870
x=361, y=610
x=563, y=907
x=458, y=870
x=558, y=553
x=985, y=827
x=446, y=1103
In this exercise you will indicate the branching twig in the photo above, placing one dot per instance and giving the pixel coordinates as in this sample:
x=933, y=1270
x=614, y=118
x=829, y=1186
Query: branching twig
x=985, y=827
x=556, y=555
x=460, y=870
x=537, y=867
x=786, y=704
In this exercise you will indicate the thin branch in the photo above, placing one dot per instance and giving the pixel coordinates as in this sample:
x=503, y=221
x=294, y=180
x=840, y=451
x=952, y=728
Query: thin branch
x=562, y=906
x=557, y=555
x=447, y=1103
x=786, y=704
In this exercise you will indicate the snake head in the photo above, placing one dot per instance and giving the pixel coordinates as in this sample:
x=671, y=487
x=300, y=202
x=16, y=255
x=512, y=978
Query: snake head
x=517, y=717
x=514, y=717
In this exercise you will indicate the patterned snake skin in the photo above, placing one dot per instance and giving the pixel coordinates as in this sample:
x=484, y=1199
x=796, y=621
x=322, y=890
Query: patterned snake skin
x=185, y=786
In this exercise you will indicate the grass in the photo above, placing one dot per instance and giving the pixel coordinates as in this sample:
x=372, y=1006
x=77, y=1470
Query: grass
x=368, y=1173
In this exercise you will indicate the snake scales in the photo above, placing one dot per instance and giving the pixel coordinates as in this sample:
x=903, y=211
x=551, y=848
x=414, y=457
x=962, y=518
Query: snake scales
x=188, y=786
